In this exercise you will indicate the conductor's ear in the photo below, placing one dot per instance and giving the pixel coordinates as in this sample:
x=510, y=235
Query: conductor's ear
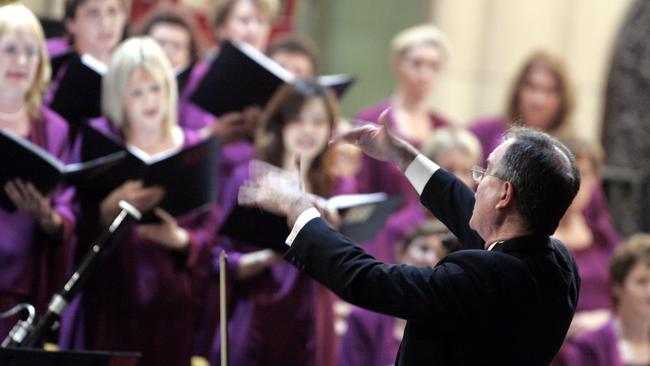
x=506, y=196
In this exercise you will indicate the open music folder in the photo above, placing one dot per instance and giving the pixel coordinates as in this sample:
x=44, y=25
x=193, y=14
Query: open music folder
x=240, y=76
x=21, y=159
x=188, y=175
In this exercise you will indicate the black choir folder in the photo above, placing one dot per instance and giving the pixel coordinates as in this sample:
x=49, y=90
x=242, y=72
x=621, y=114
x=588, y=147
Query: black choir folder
x=39, y=357
x=78, y=95
x=22, y=159
x=363, y=217
x=188, y=176
x=240, y=76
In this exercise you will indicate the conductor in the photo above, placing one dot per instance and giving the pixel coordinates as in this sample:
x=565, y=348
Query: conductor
x=507, y=298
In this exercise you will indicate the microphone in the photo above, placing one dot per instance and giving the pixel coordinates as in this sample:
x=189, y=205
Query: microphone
x=103, y=246
x=22, y=327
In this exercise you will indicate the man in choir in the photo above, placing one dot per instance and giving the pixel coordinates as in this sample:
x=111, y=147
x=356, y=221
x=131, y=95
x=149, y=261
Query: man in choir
x=36, y=233
x=94, y=28
x=508, y=301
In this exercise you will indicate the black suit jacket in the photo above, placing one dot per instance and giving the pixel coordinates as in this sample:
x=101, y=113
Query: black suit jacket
x=508, y=306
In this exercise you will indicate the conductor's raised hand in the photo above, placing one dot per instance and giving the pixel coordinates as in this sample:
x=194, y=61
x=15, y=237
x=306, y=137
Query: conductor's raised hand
x=274, y=190
x=379, y=142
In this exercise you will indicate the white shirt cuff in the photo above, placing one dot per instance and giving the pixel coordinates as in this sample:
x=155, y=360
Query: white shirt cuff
x=420, y=171
x=302, y=220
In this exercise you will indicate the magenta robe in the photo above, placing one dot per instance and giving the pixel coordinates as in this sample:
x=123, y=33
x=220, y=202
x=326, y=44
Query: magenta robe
x=146, y=298
x=34, y=266
x=592, y=265
x=595, y=348
x=279, y=317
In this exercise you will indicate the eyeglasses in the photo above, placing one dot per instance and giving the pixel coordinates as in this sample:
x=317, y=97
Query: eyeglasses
x=478, y=173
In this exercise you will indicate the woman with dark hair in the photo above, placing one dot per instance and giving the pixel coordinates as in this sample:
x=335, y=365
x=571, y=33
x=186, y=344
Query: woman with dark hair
x=36, y=232
x=541, y=97
x=624, y=339
x=298, y=121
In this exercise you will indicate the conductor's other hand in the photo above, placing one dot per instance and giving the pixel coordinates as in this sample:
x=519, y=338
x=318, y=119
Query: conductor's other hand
x=379, y=142
x=274, y=190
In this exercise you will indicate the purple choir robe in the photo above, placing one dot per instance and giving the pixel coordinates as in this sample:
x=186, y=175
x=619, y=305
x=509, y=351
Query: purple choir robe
x=57, y=46
x=369, y=340
x=378, y=176
x=146, y=298
x=33, y=266
x=193, y=117
x=595, y=348
x=592, y=261
x=279, y=317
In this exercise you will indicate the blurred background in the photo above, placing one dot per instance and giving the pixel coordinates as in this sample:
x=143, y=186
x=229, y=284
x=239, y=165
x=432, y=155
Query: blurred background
x=489, y=42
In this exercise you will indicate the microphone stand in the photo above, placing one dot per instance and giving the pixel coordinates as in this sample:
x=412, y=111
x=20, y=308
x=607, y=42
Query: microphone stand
x=24, y=335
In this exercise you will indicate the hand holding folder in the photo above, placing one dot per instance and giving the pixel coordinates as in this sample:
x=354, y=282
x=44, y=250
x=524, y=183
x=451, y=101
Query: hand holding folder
x=187, y=176
x=21, y=159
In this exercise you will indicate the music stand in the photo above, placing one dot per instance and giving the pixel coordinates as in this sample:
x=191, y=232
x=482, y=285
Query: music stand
x=32, y=356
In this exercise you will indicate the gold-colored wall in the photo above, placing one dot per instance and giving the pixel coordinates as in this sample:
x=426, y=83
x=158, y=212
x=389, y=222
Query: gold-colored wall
x=491, y=38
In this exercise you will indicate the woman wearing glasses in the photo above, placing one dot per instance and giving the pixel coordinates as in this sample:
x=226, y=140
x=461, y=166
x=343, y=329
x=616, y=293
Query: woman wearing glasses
x=36, y=231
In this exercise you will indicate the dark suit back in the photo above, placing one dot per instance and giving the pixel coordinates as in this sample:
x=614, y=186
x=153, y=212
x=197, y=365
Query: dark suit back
x=508, y=306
